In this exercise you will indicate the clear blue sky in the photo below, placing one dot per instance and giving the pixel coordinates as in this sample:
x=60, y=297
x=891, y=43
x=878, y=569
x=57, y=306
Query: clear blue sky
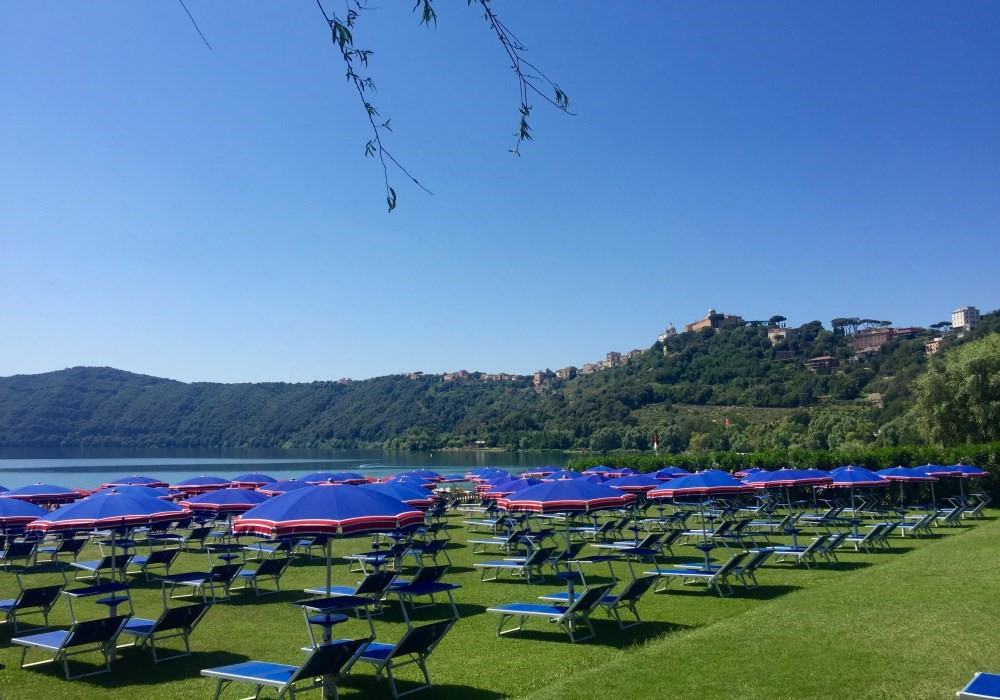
x=208, y=215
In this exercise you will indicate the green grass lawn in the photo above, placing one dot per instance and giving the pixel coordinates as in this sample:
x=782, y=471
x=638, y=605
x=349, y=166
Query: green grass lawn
x=913, y=622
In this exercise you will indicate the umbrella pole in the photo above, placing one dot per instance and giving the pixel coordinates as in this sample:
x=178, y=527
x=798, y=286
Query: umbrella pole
x=329, y=565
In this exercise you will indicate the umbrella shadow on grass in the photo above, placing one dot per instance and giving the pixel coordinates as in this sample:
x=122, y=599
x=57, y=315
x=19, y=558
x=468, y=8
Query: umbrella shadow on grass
x=134, y=667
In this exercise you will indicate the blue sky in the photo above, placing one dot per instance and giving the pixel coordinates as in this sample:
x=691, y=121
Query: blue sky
x=208, y=215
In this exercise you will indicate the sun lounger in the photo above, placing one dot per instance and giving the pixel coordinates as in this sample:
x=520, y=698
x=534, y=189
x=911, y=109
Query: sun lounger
x=24, y=552
x=718, y=578
x=983, y=686
x=747, y=571
x=426, y=582
x=82, y=638
x=569, y=618
x=38, y=599
x=105, y=565
x=322, y=668
x=69, y=546
x=221, y=575
x=413, y=648
x=613, y=603
x=176, y=622
x=524, y=566
x=268, y=569
x=155, y=559
x=802, y=555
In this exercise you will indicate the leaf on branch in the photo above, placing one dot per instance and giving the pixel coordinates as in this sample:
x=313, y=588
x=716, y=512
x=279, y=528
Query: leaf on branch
x=370, y=149
x=391, y=199
x=341, y=36
x=372, y=112
x=562, y=99
x=427, y=16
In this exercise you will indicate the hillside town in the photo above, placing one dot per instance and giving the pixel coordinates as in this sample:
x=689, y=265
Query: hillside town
x=867, y=338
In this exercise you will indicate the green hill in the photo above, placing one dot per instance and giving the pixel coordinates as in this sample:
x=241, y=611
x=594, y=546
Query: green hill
x=709, y=389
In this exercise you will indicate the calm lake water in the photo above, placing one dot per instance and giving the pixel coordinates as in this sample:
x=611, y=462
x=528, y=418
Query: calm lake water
x=89, y=468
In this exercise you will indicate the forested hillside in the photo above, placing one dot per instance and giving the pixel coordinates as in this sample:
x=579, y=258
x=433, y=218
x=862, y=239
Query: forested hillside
x=702, y=390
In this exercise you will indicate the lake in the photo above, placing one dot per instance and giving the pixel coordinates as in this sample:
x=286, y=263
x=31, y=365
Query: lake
x=88, y=468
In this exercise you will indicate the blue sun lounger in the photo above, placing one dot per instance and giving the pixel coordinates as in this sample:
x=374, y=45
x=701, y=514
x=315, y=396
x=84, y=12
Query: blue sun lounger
x=413, y=648
x=174, y=622
x=983, y=686
x=83, y=637
x=38, y=599
x=321, y=669
x=715, y=577
x=570, y=618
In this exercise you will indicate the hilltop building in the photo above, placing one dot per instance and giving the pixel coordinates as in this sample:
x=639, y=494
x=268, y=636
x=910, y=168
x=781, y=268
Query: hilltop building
x=669, y=333
x=871, y=340
x=715, y=320
x=964, y=319
x=824, y=362
x=454, y=376
x=776, y=334
x=566, y=372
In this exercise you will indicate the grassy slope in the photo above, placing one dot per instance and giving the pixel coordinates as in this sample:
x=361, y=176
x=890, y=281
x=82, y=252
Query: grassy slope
x=912, y=623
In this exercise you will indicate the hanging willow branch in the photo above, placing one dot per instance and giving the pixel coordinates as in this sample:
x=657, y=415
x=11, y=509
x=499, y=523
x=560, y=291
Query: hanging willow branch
x=530, y=80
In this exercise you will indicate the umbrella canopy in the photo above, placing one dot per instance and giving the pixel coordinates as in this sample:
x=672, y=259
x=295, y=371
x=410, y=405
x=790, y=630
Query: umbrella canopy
x=937, y=470
x=423, y=474
x=967, y=471
x=320, y=477
x=566, y=496
x=635, y=483
x=906, y=474
x=787, y=477
x=539, y=472
x=154, y=491
x=252, y=480
x=347, y=478
x=200, y=484
x=136, y=481
x=335, y=510
x=563, y=474
x=108, y=509
x=743, y=473
x=710, y=482
x=225, y=501
x=407, y=493
x=15, y=513
x=277, y=488
x=599, y=469
x=43, y=493
x=854, y=477
x=668, y=473
x=510, y=486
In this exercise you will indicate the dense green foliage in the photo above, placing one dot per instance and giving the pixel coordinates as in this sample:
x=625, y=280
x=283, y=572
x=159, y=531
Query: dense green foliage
x=699, y=392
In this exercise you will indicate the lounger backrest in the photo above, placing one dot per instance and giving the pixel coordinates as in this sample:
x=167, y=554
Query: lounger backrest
x=837, y=540
x=636, y=589
x=588, y=600
x=97, y=631
x=539, y=556
x=70, y=546
x=671, y=537
x=224, y=572
x=330, y=659
x=733, y=562
x=421, y=640
x=429, y=574
x=185, y=617
x=759, y=557
x=162, y=556
x=272, y=567
x=375, y=584
x=815, y=544
x=38, y=597
x=18, y=550
x=723, y=528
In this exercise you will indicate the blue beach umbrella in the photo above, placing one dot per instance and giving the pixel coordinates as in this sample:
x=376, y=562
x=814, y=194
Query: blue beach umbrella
x=668, y=473
x=634, y=483
x=154, y=491
x=599, y=469
x=109, y=510
x=855, y=477
x=252, y=480
x=136, y=481
x=907, y=475
x=337, y=510
x=407, y=493
x=423, y=474
x=562, y=474
x=279, y=487
x=705, y=484
x=320, y=477
x=225, y=501
x=43, y=493
x=509, y=486
x=200, y=484
x=539, y=472
x=16, y=513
